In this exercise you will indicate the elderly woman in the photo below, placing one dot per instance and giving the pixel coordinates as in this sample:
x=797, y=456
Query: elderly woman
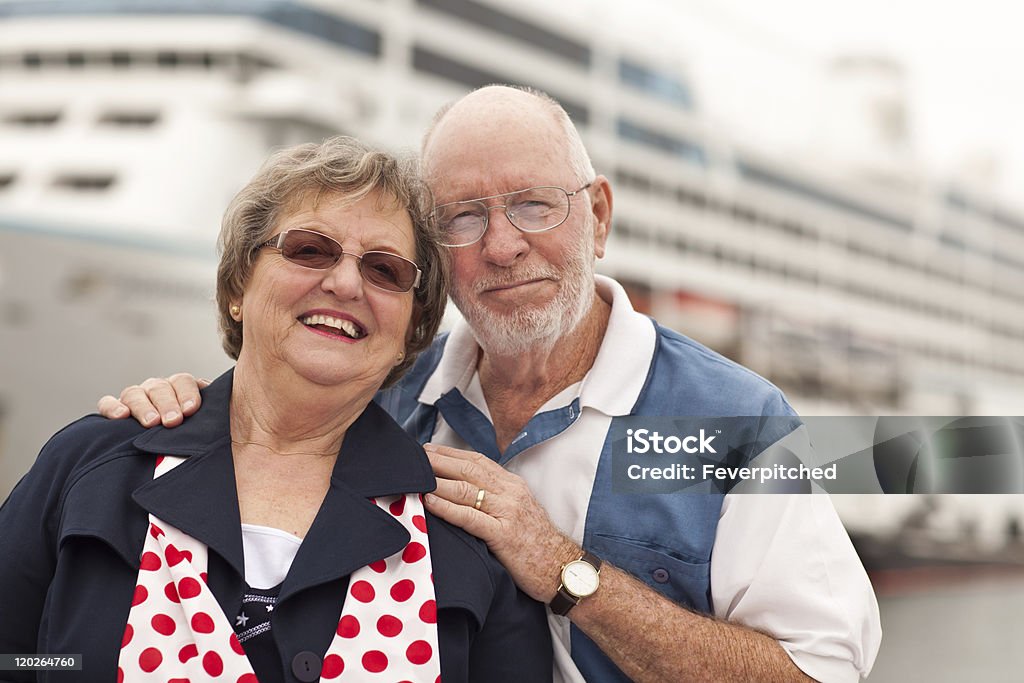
x=279, y=534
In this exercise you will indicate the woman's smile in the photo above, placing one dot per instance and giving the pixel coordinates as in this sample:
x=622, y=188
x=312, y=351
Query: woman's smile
x=334, y=324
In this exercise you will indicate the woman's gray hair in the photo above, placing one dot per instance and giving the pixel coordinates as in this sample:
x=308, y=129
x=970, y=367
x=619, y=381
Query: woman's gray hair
x=344, y=166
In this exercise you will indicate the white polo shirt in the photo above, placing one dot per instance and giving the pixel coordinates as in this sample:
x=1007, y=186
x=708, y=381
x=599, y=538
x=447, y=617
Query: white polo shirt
x=782, y=564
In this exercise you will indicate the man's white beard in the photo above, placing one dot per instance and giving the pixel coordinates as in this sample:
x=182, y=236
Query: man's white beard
x=532, y=327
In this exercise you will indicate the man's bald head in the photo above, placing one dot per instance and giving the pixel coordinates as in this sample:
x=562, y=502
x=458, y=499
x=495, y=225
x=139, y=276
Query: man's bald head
x=479, y=118
x=518, y=290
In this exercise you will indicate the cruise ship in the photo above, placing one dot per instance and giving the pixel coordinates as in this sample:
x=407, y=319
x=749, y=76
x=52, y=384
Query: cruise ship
x=127, y=125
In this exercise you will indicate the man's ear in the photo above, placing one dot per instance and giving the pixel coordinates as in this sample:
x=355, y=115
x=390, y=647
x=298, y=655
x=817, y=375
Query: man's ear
x=600, y=192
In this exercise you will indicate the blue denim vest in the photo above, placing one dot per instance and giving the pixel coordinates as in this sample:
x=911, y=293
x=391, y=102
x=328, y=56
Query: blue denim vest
x=665, y=540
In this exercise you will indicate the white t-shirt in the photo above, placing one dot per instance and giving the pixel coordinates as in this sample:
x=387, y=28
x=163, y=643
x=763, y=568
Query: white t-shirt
x=268, y=554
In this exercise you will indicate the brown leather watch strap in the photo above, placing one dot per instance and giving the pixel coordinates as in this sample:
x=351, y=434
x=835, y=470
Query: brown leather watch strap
x=564, y=600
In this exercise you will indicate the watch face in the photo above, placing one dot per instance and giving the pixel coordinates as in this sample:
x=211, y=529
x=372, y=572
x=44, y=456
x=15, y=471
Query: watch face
x=580, y=578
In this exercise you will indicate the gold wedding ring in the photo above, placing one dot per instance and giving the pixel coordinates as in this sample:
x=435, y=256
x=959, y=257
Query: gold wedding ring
x=479, y=499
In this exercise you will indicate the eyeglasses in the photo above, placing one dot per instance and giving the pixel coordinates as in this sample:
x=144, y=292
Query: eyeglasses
x=381, y=269
x=536, y=209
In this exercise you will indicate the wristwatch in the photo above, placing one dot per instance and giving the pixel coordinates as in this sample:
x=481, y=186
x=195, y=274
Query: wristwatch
x=580, y=579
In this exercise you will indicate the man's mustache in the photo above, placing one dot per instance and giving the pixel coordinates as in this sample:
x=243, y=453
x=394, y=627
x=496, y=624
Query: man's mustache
x=509, y=278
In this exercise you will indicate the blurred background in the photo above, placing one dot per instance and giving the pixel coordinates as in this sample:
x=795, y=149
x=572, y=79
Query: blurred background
x=827, y=192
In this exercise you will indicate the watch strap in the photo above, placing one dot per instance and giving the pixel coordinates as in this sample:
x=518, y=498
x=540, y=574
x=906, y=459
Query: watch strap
x=564, y=600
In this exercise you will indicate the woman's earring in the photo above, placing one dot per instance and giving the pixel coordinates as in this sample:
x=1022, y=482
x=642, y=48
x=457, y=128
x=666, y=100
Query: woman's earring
x=236, y=312
x=401, y=357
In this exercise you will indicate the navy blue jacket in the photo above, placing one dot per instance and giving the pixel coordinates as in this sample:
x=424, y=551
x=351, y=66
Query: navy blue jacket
x=72, y=531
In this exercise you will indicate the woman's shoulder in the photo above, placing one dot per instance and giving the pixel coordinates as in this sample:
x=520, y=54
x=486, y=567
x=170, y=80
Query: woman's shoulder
x=84, y=444
x=93, y=451
x=458, y=546
x=93, y=435
x=466, y=574
x=510, y=640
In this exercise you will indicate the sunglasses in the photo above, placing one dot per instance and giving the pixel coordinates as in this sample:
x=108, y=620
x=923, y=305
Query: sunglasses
x=382, y=269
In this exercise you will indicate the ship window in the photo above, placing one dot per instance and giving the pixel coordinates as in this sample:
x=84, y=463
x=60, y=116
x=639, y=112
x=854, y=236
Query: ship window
x=430, y=62
x=664, y=142
x=744, y=213
x=691, y=197
x=325, y=26
x=34, y=119
x=194, y=60
x=129, y=119
x=167, y=59
x=1004, y=218
x=292, y=15
x=84, y=182
x=97, y=59
x=513, y=27
x=807, y=190
x=248, y=66
x=634, y=180
x=1007, y=260
x=662, y=85
x=951, y=240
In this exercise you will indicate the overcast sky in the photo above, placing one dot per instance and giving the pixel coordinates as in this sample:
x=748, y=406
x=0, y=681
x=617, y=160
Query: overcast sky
x=761, y=65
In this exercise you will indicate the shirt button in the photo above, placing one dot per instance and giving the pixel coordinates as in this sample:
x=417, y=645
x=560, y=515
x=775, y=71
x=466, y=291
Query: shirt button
x=306, y=666
x=660, y=575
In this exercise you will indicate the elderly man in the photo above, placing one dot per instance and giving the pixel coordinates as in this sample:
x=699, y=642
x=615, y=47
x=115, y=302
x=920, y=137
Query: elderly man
x=522, y=395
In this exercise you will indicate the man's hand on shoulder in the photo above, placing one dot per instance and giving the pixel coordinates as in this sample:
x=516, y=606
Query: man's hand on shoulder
x=506, y=516
x=158, y=400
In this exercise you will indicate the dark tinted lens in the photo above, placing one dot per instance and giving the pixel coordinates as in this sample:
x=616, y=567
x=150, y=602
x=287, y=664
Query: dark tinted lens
x=388, y=271
x=310, y=249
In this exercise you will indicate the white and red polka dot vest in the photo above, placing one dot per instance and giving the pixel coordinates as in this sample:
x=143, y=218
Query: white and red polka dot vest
x=176, y=629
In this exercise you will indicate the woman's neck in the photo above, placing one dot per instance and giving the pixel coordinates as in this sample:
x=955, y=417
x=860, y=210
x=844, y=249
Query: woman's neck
x=292, y=416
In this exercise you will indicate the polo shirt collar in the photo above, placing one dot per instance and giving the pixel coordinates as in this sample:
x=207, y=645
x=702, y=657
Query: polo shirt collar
x=623, y=362
x=457, y=366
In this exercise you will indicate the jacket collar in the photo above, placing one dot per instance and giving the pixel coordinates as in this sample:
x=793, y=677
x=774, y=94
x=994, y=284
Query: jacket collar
x=350, y=531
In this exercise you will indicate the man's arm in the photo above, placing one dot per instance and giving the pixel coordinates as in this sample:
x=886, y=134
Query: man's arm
x=652, y=638
x=649, y=637
x=156, y=401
